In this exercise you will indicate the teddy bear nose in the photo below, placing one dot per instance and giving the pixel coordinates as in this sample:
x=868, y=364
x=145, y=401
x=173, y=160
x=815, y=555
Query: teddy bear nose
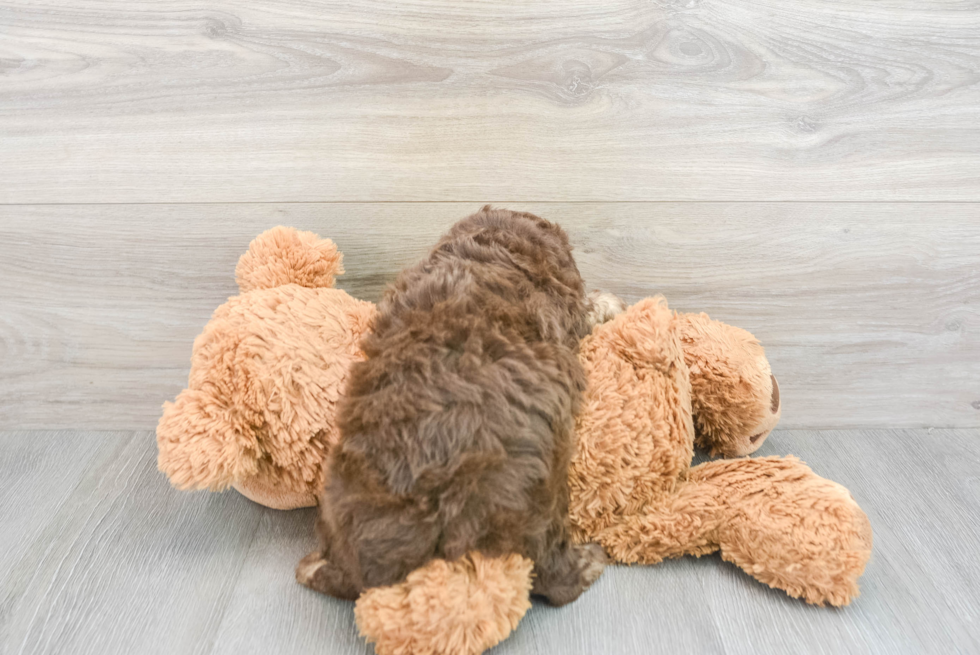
x=775, y=395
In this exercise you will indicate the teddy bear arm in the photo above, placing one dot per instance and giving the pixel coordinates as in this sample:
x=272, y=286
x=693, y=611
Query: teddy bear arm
x=635, y=436
x=201, y=445
x=685, y=521
x=788, y=527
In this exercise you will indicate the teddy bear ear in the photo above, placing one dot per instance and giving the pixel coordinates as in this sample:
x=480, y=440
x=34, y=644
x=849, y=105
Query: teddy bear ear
x=462, y=607
x=284, y=255
x=202, y=446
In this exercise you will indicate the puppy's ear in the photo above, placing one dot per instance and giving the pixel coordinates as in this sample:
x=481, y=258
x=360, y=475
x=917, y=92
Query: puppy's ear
x=202, y=445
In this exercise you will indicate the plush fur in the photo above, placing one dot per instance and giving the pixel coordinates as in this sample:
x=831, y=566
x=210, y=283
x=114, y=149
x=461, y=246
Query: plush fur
x=457, y=429
x=260, y=408
x=462, y=607
x=633, y=489
x=658, y=382
x=734, y=395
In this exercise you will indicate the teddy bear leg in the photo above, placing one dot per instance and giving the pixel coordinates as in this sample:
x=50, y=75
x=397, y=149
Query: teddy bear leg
x=458, y=607
x=262, y=489
x=789, y=528
x=567, y=571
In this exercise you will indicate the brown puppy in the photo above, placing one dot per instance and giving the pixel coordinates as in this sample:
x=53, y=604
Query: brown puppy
x=457, y=430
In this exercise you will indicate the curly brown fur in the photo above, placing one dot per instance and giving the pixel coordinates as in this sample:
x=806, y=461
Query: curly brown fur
x=457, y=430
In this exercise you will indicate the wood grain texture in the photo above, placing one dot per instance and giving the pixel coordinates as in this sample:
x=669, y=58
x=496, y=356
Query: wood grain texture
x=41, y=472
x=286, y=100
x=124, y=564
x=270, y=612
x=870, y=313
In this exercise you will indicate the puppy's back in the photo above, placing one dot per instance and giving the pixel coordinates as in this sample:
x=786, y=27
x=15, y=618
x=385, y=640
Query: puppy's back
x=456, y=430
x=506, y=269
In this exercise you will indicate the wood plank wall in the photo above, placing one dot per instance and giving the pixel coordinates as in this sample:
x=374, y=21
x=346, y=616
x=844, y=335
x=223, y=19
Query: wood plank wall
x=806, y=169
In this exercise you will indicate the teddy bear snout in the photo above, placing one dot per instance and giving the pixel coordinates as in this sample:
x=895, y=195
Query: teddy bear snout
x=774, y=406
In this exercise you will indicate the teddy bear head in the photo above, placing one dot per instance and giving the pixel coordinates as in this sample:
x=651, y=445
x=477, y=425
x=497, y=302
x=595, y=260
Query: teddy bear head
x=734, y=395
x=266, y=373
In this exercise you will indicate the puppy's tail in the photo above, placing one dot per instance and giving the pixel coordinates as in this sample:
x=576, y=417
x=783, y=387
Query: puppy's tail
x=462, y=607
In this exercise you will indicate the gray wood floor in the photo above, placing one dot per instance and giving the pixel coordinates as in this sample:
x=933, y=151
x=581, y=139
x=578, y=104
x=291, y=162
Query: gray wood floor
x=99, y=555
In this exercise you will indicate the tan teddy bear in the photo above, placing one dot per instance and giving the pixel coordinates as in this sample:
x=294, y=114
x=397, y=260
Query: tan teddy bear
x=266, y=375
x=270, y=366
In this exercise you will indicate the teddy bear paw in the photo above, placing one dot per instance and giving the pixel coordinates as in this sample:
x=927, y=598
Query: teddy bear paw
x=604, y=307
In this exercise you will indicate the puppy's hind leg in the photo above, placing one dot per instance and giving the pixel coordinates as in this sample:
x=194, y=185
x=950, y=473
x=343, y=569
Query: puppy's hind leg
x=320, y=574
x=568, y=571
